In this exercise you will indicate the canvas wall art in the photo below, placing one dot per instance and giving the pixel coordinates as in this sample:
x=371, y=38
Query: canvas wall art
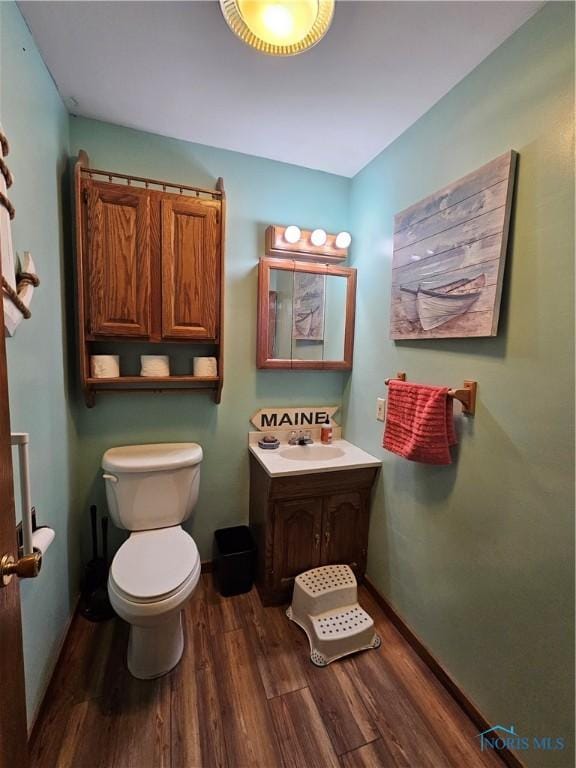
x=308, y=308
x=449, y=257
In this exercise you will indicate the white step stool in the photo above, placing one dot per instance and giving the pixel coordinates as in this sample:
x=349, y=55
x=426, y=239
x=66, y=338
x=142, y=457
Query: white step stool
x=325, y=605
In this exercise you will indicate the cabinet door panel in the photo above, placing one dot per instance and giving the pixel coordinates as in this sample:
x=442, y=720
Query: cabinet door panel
x=345, y=527
x=190, y=269
x=118, y=262
x=297, y=535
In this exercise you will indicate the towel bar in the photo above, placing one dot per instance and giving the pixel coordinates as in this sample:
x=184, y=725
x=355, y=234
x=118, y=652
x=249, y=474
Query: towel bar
x=466, y=395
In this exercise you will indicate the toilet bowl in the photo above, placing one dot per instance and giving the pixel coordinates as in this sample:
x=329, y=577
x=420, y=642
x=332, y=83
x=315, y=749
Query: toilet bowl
x=150, y=490
x=152, y=576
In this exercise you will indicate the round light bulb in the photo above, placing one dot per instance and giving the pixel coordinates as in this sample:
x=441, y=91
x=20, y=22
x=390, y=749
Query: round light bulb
x=279, y=27
x=279, y=22
x=292, y=234
x=318, y=237
x=343, y=239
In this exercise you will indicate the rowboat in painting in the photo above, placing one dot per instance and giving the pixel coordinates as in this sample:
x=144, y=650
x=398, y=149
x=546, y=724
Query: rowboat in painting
x=434, y=304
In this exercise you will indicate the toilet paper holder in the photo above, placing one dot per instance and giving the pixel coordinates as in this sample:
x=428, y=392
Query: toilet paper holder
x=28, y=532
x=29, y=560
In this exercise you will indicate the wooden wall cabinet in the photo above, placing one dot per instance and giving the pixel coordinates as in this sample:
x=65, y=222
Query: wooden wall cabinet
x=190, y=269
x=303, y=521
x=149, y=266
x=118, y=260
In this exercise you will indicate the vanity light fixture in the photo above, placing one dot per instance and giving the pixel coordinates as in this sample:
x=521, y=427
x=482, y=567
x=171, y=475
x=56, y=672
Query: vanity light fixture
x=343, y=239
x=292, y=234
x=318, y=237
x=293, y=242
x=279, y=27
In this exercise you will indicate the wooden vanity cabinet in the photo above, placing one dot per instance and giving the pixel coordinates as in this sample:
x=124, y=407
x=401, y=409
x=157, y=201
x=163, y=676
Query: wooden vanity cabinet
x=303, y=521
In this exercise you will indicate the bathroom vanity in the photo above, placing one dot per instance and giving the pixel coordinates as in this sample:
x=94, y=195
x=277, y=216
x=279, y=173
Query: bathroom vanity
x=309, y=506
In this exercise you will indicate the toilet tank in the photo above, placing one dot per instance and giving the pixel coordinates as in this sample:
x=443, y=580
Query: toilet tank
x=152, y=486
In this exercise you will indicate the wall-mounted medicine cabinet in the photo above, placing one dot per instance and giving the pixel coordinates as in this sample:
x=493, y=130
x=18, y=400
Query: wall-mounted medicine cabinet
x=306, y=315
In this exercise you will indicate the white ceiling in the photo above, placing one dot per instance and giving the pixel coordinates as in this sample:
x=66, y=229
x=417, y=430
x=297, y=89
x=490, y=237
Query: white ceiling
x=174, y=68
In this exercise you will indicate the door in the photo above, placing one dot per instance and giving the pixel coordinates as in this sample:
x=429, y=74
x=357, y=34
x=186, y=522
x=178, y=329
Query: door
x=297, y=536
x=190, y=269
x=13, y=734
x=345, y=530
x=118, y=261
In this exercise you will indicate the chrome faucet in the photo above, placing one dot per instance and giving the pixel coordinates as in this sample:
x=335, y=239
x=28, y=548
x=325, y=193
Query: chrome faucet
x=300, y=438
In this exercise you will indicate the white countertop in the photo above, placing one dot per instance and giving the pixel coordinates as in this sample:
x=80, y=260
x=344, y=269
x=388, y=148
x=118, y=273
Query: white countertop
x=340, y=454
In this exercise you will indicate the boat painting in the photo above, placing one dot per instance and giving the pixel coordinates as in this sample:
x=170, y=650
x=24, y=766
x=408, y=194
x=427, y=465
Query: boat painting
x=449, y=255
x=433, y=305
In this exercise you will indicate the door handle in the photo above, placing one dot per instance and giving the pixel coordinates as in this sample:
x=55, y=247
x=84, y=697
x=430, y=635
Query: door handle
x=327, y=535
x=27, y=567
x=316, y=540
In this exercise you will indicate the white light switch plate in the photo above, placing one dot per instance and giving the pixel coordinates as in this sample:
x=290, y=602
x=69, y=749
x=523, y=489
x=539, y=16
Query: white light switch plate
x=381, y=409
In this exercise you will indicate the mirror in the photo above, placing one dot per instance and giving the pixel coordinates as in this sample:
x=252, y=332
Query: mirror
x=305, y=315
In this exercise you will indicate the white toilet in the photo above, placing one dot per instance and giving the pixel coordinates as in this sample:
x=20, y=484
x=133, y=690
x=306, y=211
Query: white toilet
x=151, y=490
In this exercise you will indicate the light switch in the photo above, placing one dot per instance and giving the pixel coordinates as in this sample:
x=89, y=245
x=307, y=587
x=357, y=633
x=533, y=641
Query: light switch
x=381, y=409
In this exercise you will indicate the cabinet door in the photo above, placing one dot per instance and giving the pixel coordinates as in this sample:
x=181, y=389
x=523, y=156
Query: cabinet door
x=118, y=283
x=345, y=530
x=190, y=269
x=297, y=536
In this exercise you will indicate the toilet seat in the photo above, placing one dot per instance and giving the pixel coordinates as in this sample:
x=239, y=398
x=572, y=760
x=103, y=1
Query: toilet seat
x=154, y=565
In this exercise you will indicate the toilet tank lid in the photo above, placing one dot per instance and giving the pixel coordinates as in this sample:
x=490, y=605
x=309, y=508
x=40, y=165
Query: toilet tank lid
x=150, y=458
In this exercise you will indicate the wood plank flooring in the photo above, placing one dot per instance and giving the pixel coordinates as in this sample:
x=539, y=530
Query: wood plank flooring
x=246, y=695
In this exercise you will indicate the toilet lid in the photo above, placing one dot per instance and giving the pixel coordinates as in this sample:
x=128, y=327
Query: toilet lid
x=153, y=564
x=151, y=458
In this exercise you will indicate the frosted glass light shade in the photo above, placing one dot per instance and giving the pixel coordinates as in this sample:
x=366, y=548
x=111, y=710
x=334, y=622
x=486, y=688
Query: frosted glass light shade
x=343, y=239
x=318, y=237
x=292, y=234
x=279, y=27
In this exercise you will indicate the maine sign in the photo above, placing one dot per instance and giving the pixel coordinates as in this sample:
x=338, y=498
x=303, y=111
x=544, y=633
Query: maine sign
x=269, y=419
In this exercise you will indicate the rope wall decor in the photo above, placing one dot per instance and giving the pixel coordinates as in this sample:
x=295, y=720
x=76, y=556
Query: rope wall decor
x=8, y=205
x=23, y=278
x=26, y=277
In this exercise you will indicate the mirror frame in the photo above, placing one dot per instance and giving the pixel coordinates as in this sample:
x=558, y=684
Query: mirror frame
x=262, y=342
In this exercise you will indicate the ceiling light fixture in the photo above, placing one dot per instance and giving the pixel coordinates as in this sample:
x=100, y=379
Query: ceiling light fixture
x=281, y=27
x=318, y=237
x=343, y=239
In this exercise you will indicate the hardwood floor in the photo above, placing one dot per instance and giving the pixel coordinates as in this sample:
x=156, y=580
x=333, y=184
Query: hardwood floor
x=245, y=694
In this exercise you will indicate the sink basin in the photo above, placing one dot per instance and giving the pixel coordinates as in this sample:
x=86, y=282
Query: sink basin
x=308, y=459
x=312, y=452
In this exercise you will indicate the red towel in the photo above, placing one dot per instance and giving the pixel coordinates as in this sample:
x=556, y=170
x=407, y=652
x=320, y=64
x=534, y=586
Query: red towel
x=419, y=422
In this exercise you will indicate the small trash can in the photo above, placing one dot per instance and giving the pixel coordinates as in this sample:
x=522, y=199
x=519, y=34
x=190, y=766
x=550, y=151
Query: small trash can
x=233, y=560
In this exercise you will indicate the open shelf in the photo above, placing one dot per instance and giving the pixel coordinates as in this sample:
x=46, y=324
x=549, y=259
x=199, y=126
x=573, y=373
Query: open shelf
x=119, y=380
x=153, y=384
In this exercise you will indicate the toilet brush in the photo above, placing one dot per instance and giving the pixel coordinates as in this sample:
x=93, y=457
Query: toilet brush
x=95, y=604
x=97, y=568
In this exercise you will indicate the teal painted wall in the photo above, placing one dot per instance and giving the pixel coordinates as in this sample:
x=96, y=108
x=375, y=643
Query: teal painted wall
x=36, y=124
x=478, y=557
x=258, y=192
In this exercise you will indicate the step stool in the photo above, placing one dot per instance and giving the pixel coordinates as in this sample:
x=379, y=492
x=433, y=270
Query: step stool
x=325, y=605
